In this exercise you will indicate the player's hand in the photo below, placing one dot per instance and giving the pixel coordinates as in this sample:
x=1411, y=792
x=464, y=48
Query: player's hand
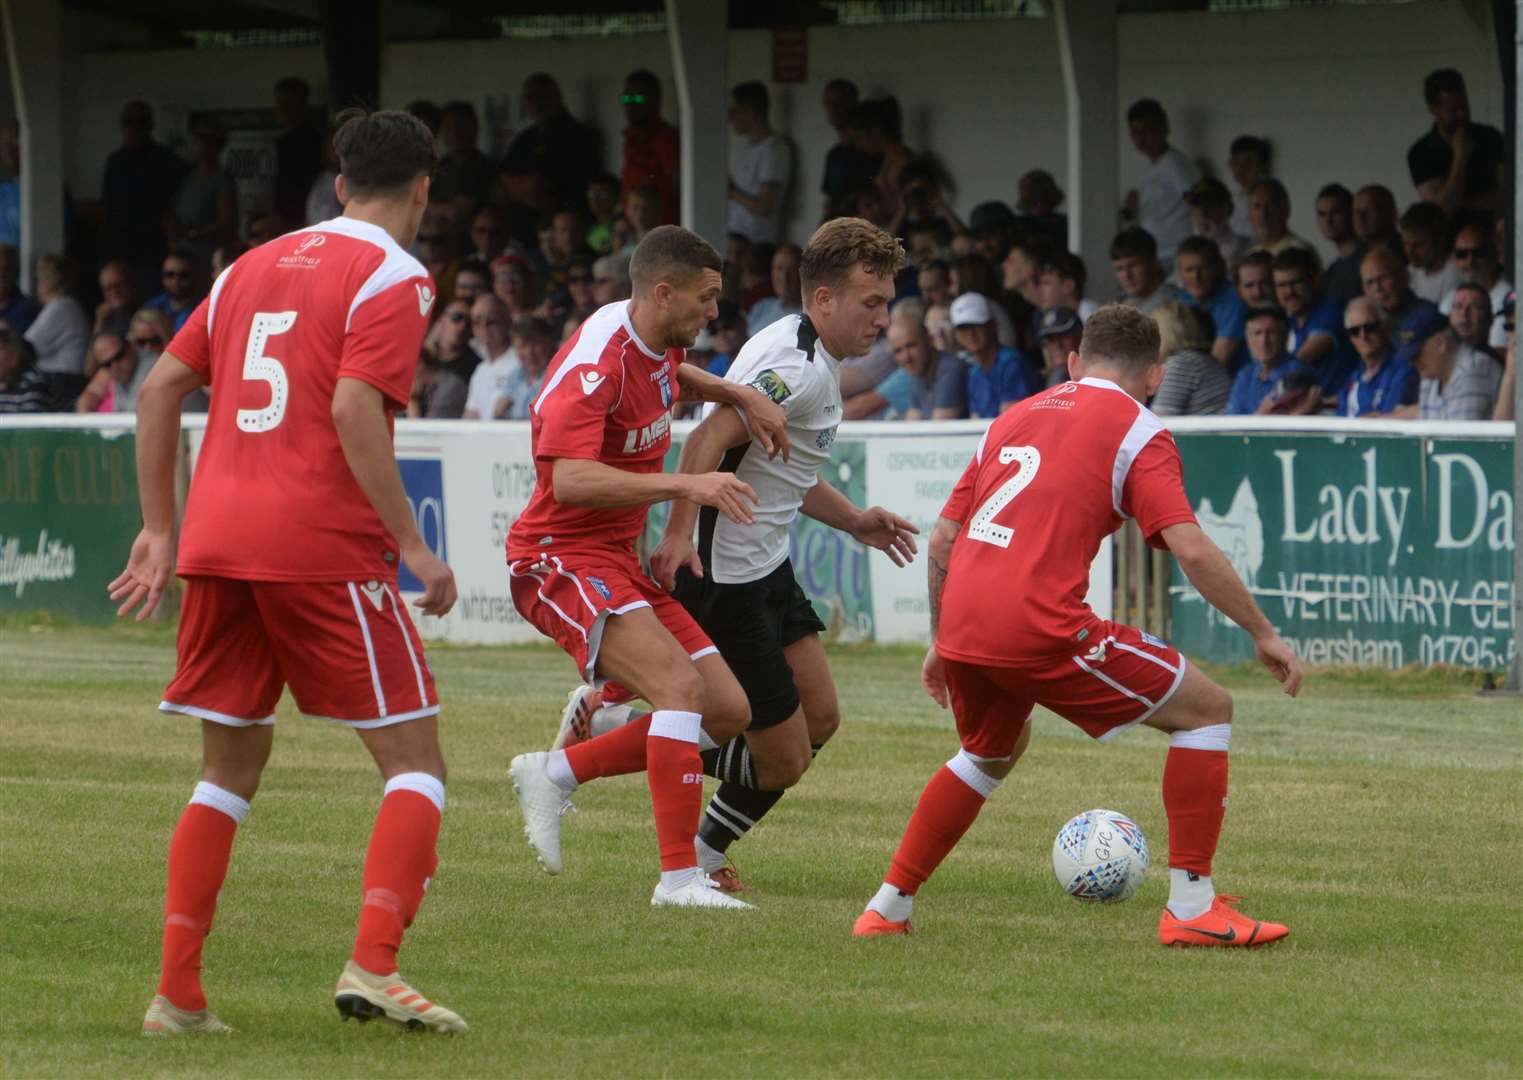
x=933, y=676
x=147, y=574
x=767, y=421
x=671, y=554
x=889, y=533
x=439, y=593
x=1283, y=664
x=725, y=493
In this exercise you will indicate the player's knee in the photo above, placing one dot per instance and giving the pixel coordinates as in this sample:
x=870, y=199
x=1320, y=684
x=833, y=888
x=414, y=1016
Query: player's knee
x=822, y=725
x=1220, y=708
x=783, y=768
x=682, y=689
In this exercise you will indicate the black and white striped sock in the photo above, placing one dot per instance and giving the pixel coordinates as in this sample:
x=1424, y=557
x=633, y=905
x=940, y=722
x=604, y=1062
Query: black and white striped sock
x=735, y=809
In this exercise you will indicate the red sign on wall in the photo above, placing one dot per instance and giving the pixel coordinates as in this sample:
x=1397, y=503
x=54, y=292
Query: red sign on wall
x=790, y=54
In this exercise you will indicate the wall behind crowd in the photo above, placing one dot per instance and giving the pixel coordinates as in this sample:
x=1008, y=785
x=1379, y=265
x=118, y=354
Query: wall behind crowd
x=1337, y=89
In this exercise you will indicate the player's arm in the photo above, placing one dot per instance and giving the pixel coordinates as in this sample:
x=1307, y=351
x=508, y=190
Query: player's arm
x=1213, y=577
x=765, y=417
x=938, y=557
x=158, y=442
x=584, y=482
x=875, y=526
x=360, y=418
x=702, y=452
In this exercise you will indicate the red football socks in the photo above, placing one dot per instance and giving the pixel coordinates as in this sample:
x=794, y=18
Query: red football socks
x=198, y=857
x=613, y=753
x=398, y=866
x=674, y=772
x=1195, y=800
x=946, y=809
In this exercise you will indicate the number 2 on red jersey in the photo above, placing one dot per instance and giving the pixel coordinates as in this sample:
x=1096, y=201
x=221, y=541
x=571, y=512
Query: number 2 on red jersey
x=982, y=527
x=257, y=367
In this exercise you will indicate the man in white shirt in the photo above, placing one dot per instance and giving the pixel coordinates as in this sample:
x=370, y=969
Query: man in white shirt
x=1158, y=202
x=1425, y=239
x=763, y=168
x=493, y=340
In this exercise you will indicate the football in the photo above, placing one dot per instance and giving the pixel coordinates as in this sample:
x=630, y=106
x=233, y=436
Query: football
x=1100, y=855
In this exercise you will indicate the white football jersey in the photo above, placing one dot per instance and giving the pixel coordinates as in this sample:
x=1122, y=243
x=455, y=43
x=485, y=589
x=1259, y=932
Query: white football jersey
x=787, y=362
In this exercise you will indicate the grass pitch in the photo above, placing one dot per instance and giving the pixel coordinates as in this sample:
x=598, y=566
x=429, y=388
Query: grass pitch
x=1377, y=816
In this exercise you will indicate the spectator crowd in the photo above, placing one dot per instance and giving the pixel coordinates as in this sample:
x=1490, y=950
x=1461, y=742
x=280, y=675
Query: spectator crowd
x=1412, y=316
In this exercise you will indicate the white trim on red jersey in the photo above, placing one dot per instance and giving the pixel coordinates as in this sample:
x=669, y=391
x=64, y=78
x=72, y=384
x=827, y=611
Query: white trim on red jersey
x=1137, y=436
x=211, y=300
x=592, y=342
x=396, y=267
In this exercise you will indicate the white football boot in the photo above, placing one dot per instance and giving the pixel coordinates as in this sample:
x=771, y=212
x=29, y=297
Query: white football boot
x=701, y=892
x=542, y=802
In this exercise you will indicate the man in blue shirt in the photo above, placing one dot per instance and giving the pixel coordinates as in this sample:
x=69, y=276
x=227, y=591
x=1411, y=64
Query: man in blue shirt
x=179, y=298
x=928, y=385
x=1315, y=321
x=1274, y=381
x=1203, y=274
x=1382, y=382
x=997, y=376
x=1411, y=320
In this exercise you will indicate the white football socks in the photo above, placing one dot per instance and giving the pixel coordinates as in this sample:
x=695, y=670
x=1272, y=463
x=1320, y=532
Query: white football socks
x=892, y=904
x=676, y=879
x=1190, y=895
x=558, y=769
x=709, y=859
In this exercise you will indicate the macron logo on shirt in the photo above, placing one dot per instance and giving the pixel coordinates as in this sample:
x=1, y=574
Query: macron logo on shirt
x=425, y=299
x=591, y=380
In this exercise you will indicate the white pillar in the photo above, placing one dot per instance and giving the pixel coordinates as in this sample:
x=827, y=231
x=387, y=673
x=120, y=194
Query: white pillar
x=698, y=32
x=1087, y=49
x=34, y=50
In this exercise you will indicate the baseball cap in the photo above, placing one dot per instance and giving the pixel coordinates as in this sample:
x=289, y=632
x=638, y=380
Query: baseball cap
x=971, y=309
x=988, y=216
x=1058, y=321
x=1208, y=192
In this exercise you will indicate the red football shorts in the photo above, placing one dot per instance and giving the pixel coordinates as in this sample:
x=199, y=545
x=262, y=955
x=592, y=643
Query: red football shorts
x=1119, y=678
x=568, y=597
x=347, y=650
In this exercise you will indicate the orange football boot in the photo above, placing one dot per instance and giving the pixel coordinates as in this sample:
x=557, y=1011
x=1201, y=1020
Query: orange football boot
x=1223, y=926
x=871, y=924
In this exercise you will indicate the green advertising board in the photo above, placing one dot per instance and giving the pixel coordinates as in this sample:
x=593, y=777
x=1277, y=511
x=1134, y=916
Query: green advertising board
x=68, y=516
x=831, y=567
x=1376, y=551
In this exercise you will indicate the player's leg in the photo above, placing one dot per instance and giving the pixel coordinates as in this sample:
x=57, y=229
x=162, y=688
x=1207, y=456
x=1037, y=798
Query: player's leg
x=1127, y=677
x=1198, y=720
x=350, y=653
x=639, y=653
x=226, y=676
x=774, y=759
x=399, y=864
x=994, y=726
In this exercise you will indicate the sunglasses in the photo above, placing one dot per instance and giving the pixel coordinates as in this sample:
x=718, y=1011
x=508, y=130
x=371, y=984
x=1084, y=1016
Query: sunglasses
x=1361, y=329
x=1465, y=254
x=633, y=99
x=154, y=342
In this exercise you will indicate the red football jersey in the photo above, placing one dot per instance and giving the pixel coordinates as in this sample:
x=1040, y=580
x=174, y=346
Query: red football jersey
x=1053, y=477
x=273, y=498
x=606, y=397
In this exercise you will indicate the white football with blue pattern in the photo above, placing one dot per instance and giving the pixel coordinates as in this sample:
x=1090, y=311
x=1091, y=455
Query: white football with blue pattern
x=1100, y=855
